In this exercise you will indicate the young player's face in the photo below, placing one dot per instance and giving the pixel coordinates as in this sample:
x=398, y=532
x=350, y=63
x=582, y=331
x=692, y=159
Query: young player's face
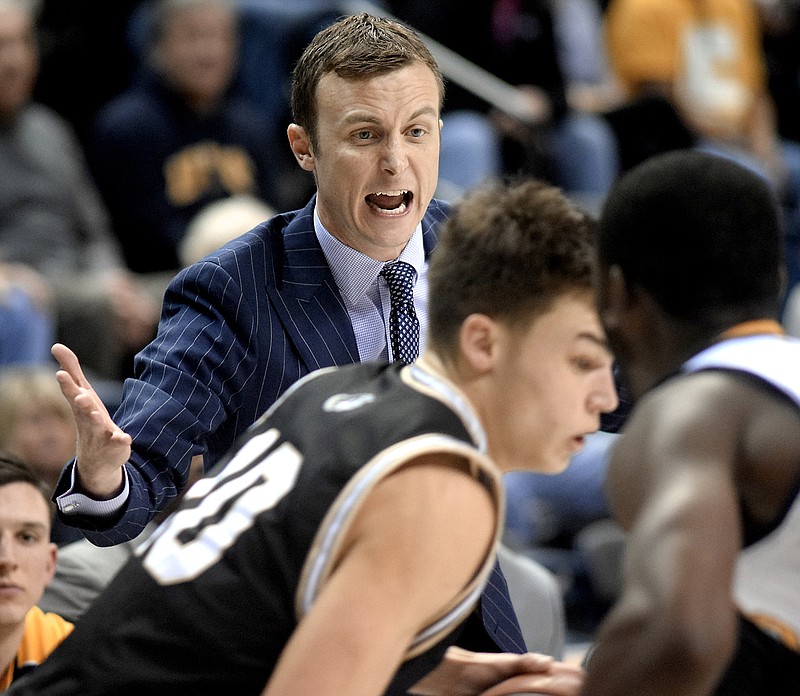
x=27, y=558
x=377, y=157
x=553, y=380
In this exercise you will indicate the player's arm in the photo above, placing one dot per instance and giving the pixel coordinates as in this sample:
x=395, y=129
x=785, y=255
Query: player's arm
x=671, y=484
x=418, y=540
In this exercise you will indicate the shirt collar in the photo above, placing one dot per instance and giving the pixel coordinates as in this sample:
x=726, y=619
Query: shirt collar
x=353, y=271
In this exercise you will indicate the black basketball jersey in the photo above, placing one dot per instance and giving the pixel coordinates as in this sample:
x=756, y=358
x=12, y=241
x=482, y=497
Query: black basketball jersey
x=211, y=599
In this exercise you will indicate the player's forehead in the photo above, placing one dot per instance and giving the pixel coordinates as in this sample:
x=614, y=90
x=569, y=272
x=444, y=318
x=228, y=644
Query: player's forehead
x=571, y=316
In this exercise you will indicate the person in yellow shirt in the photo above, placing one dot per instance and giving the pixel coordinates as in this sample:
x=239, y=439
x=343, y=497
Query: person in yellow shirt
x=706, y=58
x=27, y=563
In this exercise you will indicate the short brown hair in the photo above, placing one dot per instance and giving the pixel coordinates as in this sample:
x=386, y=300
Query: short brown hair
x=12, y=470
x=357, y=47
x=509, y=250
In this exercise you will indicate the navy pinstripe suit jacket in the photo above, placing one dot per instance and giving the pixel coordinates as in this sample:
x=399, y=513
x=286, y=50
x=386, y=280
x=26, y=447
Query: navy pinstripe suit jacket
x=237, y=329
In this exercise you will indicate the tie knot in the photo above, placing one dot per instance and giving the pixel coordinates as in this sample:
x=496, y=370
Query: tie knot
x=399, y=277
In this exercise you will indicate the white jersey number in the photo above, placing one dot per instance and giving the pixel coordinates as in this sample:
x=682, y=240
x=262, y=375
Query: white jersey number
x=194, y=538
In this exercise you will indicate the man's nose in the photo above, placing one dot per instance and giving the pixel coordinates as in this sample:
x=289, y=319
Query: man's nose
x=7, y=556
x=394, y=156
x=604, y=398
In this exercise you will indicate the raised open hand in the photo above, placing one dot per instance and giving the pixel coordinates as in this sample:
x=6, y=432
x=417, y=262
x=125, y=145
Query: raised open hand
x=102, y=448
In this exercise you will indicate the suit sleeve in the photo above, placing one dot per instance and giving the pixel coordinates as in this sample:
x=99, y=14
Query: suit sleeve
x=188, y=383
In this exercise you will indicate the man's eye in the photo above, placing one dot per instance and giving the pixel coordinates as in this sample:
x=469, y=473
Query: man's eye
x=417, y=132
x=585, y=364
x=363, y=135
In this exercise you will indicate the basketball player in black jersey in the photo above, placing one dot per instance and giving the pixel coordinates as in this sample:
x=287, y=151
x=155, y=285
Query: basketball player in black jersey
x=341, y=544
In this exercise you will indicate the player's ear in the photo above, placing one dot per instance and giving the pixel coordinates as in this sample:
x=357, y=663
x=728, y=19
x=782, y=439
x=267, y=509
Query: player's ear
x=300, y=142
x=478, y=339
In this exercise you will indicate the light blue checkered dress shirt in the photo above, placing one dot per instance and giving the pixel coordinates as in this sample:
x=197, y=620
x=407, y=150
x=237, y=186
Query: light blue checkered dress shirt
x=366, y=295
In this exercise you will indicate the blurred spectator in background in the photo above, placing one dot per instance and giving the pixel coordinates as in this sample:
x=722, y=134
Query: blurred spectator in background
x=516, y=41
x=581, y=47
x=707, y=60
x=563, y=521
x=780, y=20
x=26, y=315
x=178, y=140
x=76, y=37
x=52, y=219
x=37, y=427
x=542, y=509
x=219, y=223
x=273, y=35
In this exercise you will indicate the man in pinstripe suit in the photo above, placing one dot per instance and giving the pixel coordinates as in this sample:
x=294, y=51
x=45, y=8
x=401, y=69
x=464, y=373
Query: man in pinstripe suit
x=299, y=292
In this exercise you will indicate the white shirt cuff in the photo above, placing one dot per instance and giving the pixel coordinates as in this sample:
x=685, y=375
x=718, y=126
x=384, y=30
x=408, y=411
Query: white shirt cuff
x=72, y=503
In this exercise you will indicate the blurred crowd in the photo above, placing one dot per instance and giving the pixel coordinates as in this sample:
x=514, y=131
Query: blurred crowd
x=135, y=137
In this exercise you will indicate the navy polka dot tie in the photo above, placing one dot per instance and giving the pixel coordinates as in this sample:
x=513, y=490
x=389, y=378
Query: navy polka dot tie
x=403, y=322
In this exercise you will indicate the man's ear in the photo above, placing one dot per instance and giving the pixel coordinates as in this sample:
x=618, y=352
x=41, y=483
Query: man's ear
x=301, y=146
x=52, y=560
x=478, y=339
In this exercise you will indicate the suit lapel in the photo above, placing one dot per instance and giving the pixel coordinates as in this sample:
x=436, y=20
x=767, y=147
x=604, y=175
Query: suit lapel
x=437, y=213
x=307, y=300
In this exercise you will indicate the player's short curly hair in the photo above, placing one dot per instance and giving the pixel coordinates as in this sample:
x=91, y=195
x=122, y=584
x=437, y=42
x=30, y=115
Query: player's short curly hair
x=509, y=250
x=700, y=233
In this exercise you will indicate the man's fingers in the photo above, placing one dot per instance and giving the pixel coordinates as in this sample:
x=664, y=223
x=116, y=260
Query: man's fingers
x=86, y=406
x=563, y=684
x=77, y=396
x=466, y=672
x=510, y=663
x=567, y=668
x=70, y=364
x=68, y=386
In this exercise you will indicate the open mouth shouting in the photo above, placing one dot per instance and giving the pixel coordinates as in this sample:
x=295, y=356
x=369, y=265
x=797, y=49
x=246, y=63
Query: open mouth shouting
x=390, y=202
